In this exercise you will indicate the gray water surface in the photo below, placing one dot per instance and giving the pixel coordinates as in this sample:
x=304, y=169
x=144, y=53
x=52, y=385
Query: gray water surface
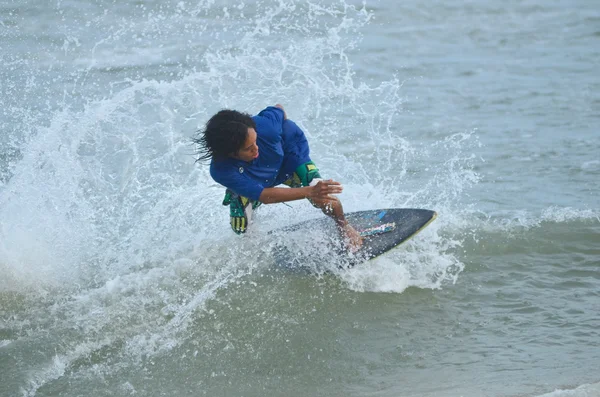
x=119, y=274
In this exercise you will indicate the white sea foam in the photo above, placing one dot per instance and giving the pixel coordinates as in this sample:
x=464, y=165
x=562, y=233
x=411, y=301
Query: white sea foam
x=426, y=261
x=560, y=215
x=587, y=390
x=105, y=190
x=593, y=165
x=474, y=222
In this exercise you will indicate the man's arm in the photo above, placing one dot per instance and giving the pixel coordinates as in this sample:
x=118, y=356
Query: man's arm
x=320, y=191
x=330, y=205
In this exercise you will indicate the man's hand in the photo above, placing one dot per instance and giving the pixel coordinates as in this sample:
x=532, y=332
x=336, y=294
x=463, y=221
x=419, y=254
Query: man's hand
x=323, y=189
x=352, y=238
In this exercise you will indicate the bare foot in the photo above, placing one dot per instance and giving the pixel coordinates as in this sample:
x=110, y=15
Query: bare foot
x=352, y=238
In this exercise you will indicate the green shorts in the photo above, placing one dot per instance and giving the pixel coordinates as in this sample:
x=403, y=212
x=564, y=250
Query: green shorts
x=240, y=208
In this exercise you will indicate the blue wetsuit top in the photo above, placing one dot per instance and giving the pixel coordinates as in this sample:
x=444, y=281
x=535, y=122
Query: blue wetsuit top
x=282, y=147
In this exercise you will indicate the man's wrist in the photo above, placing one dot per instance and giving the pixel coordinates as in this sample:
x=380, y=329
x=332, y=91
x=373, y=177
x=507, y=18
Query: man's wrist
x=309, y=191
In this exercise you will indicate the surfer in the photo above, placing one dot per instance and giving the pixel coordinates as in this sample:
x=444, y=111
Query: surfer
x=252, y=155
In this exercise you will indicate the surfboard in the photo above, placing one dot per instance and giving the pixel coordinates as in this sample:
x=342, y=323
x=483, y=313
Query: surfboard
x=382, y=230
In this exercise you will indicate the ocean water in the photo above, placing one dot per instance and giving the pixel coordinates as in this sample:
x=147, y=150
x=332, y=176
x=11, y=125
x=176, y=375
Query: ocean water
x=119, y=274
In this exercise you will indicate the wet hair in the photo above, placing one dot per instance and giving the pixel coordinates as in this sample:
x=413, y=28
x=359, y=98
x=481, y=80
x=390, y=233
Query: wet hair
x=224, y=134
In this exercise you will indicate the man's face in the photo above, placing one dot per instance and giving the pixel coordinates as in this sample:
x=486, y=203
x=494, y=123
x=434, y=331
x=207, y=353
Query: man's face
x=249, y=150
